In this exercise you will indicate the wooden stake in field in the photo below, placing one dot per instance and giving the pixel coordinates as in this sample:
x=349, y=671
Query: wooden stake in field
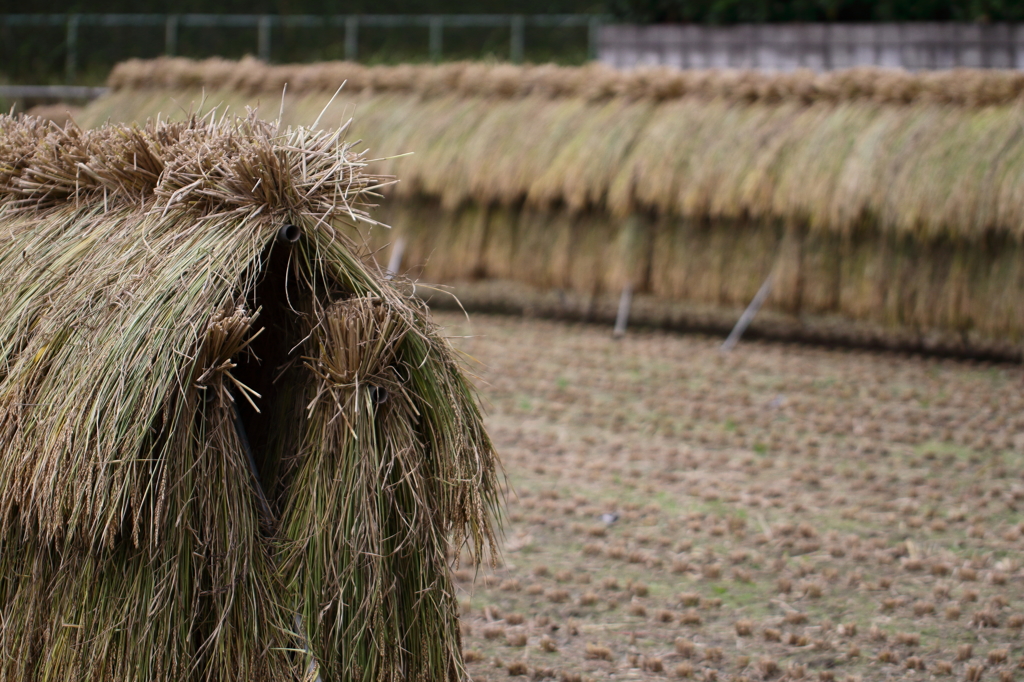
x=748, y=316
x=622, y=316
x=231, y=448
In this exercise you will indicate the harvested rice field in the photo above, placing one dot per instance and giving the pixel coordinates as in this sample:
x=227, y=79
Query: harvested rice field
x=783, y=512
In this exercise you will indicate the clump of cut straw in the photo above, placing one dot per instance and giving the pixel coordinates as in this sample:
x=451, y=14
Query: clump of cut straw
x=153, y=526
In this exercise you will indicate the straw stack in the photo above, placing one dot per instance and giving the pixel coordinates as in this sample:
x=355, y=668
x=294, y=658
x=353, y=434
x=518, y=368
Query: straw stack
x=231, y=450
x=874, y=195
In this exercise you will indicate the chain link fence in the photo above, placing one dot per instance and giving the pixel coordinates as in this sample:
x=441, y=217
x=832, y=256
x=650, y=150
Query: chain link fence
x=81, y=48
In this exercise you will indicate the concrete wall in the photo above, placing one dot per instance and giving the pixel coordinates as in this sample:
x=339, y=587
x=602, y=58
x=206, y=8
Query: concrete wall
x=821, y=47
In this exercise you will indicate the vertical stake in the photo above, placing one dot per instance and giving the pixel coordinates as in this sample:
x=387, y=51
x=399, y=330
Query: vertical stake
x=171, y=35
x=748, y=316
x=268, y=522
x=625, y=301
x=516, y=47
x=263, y=39
x=396, y=258
x=593, y=27
x=351, y=38
x=71, y=65
x=263, y=505
x=436, y=37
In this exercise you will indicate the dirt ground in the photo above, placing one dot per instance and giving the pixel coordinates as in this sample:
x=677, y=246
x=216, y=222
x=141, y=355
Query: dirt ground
x=783, y=512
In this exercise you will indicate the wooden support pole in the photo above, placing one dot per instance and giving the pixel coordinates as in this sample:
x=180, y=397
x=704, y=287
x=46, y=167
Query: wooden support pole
x=269, y=522
x=262, y=504
x=396, y=258
x=622, y=318
x=748, y=316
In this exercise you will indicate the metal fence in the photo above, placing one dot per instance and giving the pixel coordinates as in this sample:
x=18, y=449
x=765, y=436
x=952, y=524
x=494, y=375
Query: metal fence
x=263, y=25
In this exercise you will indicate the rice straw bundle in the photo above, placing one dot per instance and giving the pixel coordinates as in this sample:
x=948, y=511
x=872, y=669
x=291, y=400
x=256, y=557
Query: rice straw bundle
x=930, y=155
x=970, y=87
x=878, y=196
x=182, y=496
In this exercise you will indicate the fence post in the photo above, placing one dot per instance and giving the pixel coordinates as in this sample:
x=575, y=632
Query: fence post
x=516, y=48
x=436, y=37
x=351, y=38
x=263, y=39
x=71, y=63
x=593, y=27
x=171, y=35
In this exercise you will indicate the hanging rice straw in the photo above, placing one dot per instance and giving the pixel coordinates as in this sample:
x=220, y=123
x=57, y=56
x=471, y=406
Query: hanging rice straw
x=141, y=264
